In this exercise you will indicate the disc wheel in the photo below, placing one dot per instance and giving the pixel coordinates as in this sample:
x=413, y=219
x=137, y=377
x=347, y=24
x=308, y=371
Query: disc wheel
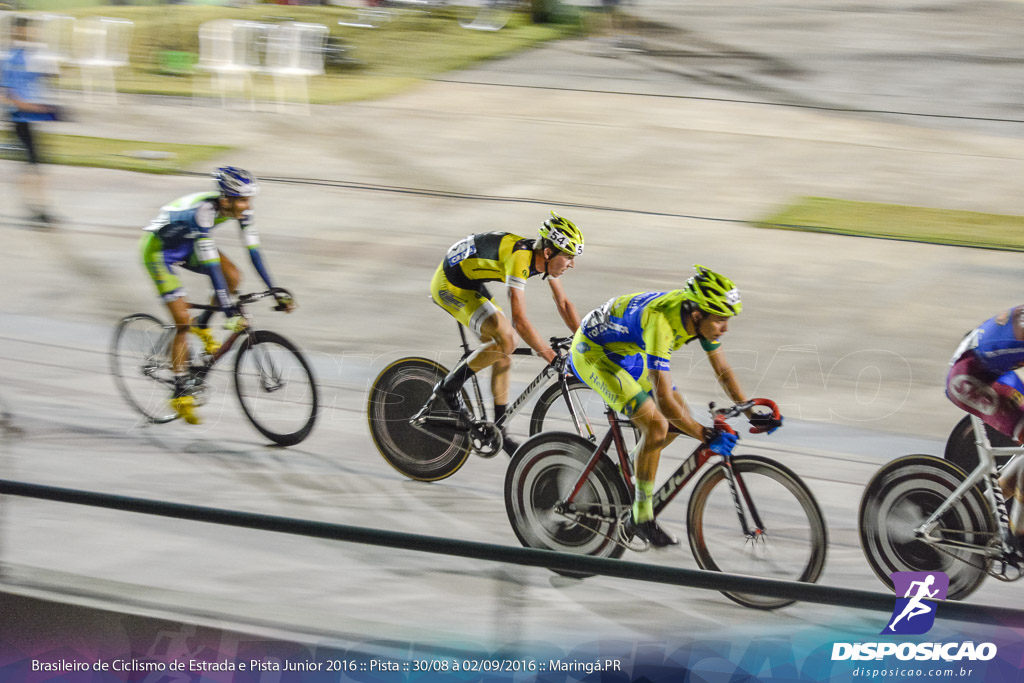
x=424, y=453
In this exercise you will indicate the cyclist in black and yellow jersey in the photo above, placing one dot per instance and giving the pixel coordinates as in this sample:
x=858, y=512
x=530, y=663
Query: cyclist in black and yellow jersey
x=623, y=351
x=459, y=288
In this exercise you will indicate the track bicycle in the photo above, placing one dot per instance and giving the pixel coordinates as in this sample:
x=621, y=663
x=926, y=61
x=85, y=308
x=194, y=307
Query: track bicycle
x=438, y=447
x=922, y=513
x=273, y=381
x=746, y=515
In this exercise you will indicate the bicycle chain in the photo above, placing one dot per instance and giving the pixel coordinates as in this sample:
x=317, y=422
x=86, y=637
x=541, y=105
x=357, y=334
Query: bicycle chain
x=619, y=526
x=1002, y=559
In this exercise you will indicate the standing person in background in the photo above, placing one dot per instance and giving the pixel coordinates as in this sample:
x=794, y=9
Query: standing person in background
x=23, y=94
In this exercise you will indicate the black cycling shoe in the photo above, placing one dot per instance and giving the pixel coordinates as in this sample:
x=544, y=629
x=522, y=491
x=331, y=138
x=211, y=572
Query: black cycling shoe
x=653, y=533
x=442, y=403
x=510, y=446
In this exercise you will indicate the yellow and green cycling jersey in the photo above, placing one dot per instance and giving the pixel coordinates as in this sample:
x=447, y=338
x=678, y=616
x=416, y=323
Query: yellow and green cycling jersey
x=618, y=344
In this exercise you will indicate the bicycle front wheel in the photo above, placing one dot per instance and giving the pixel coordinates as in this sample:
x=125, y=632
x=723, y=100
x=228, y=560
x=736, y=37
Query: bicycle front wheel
x=141, y=365
x=905, y=493
x=276, y=388
x=423, y=453
x=793, y=540
x=538, y=483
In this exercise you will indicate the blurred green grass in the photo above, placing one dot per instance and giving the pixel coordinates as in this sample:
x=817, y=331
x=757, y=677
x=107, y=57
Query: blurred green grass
x=127, y=155
x=898, y=222
x=413, y=46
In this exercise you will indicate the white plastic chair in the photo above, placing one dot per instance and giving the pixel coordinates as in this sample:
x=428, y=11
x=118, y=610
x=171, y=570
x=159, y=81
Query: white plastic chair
x=227, y=52
x=101, y=46
x=295, y=52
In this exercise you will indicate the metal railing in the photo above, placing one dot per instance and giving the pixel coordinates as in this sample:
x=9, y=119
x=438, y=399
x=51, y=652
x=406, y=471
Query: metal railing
x=693, y=578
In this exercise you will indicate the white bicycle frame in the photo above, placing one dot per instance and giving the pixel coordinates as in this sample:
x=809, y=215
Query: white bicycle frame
x=988, y=472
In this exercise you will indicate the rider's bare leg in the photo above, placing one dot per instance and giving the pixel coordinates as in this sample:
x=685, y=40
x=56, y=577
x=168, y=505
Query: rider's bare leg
x=499, y=341
x=232, y=277
x=179, y=347
x=654, y=430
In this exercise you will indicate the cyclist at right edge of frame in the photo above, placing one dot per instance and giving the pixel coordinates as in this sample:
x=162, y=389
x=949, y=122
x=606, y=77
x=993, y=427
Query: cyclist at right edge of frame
x=982, y=381
x=623, y=351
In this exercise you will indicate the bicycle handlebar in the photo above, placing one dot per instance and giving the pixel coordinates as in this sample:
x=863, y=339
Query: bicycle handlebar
x=720, y=415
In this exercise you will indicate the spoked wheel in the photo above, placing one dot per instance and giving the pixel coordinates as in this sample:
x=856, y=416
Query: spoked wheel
x=275, y=387
x=483, y=15
x=961, y=450
x=899, y=498
x=583, y=415
x=428, y=452
x=141, y=364
x=540, y=479
x=793, y=541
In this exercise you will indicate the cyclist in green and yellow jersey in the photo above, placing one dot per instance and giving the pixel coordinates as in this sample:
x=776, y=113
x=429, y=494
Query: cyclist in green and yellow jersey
x=623, y=351
x=459, y=287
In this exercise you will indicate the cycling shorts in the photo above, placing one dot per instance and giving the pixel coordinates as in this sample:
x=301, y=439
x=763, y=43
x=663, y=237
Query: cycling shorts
x=469, y=306
x=997, y=399
x=621, y=381
x=168, y=286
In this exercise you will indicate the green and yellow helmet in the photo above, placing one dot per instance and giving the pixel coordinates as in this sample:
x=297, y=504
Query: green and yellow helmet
x=714, y=293
x=563, y=234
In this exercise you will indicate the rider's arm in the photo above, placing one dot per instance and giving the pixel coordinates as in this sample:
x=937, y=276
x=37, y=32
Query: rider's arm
x=726, y=376
x=252, y=244
x=672, y=406
x=565, y=308
x=517, y=305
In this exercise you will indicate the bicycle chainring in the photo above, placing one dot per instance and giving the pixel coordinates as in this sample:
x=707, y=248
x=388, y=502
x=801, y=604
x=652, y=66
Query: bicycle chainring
x=486, y=438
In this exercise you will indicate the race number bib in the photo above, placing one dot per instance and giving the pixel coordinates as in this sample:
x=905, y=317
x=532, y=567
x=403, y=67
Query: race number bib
x=461, y=251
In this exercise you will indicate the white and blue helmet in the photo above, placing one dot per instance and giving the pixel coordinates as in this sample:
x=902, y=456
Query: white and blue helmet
x=236, y=182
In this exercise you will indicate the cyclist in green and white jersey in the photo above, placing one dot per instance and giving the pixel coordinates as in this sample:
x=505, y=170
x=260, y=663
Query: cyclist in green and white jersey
x=180, y=236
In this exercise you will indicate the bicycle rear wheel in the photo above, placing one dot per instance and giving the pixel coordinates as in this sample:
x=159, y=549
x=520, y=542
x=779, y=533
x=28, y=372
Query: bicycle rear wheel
x=541, y=477
x=423, y=453
x=141, y=365
x=899, y=498
x=276, y=388
x=794, y=540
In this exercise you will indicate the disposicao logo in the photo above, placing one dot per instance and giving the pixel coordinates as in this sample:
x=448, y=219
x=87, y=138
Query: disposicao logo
x=913, y=616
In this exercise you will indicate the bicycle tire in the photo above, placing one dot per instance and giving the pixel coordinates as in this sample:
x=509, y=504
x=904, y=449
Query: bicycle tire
x=397, y=394
x=541, y=475
x=900, y=497
x=791, y=532
x=278, y=394
x=551, y=414
x=961, y=450
x=142, y=370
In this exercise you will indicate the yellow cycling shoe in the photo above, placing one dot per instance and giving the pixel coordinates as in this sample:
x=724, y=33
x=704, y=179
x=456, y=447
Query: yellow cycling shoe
x=184, y=406
x=210, y=343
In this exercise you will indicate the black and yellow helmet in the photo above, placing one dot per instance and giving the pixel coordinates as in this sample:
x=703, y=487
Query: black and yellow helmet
x=714, y=293
x=563, y=234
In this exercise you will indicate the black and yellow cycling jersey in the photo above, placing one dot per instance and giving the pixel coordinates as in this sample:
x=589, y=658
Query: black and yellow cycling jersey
x=490, y=257
x=458, y=284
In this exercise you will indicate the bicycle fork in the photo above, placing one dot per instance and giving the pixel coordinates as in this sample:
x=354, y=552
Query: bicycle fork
x=738, y=489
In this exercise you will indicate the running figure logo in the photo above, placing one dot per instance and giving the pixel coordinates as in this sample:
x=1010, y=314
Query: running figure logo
x=912, y=615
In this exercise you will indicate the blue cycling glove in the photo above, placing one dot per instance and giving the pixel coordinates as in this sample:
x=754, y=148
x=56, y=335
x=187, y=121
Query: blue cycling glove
x=723, y=443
